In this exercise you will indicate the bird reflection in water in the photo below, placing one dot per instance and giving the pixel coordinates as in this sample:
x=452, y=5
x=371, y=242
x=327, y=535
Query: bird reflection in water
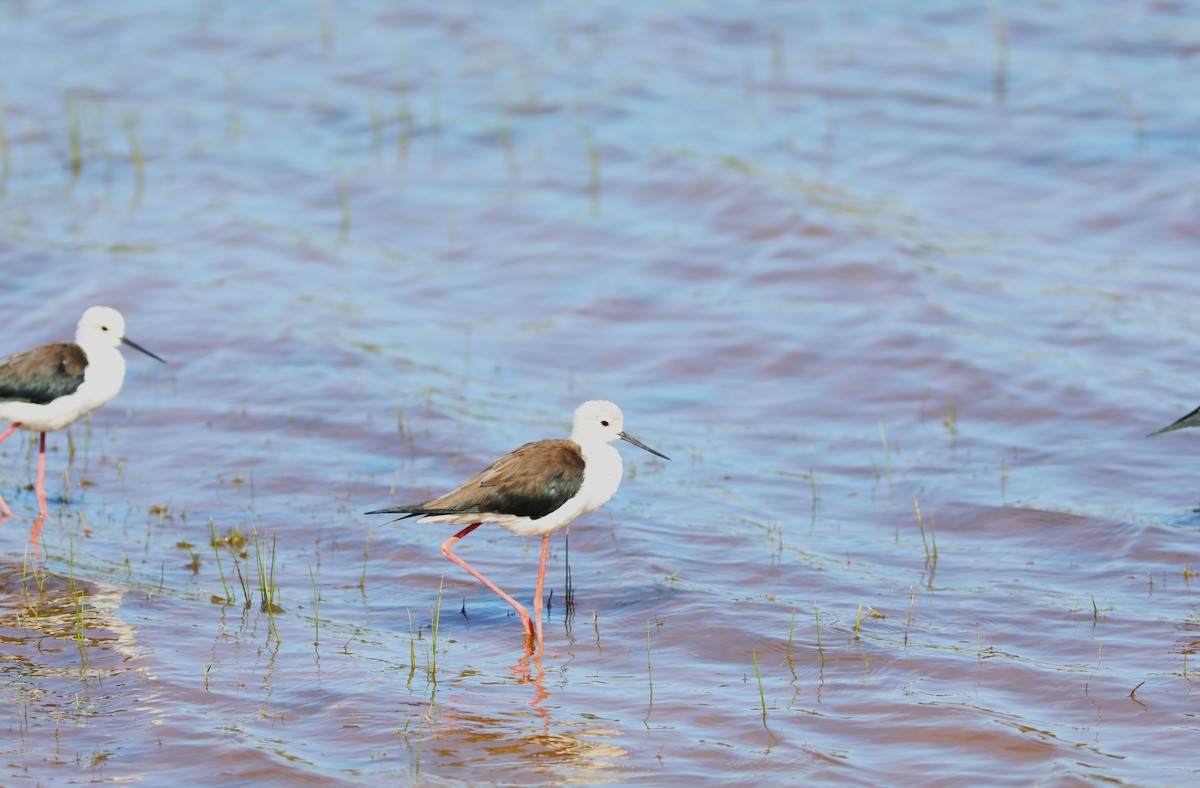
x=35, y=532
x=529, y=671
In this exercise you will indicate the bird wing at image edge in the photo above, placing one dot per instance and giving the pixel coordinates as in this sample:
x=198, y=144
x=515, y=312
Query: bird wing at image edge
x=1190, y=420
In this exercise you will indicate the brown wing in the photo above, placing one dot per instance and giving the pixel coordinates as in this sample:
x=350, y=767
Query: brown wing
x=43, y=374
x=531, y=482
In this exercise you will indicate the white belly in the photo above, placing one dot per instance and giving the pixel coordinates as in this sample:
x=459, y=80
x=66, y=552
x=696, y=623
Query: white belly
x=102, y=381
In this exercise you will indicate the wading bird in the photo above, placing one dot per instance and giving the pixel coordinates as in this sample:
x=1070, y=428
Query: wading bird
x=536, y=490
x=52, y=385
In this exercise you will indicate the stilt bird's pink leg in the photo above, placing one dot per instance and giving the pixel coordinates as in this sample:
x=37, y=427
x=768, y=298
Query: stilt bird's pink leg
x=3, y=506
x=541, y=583
x=449, y=553
x=41, y=477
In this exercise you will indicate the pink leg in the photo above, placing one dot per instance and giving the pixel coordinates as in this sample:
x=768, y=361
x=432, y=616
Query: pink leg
x=3, y=506
x=446, y=551
x=541, y=583
x=41, y=478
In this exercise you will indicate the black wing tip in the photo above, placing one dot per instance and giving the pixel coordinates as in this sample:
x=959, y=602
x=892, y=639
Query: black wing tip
x=419, y=510
x=406, y=511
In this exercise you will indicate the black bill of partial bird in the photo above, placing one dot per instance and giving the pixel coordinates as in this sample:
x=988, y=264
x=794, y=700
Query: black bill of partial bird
x=136, y=346
x=1190, y=420
x=625, y=436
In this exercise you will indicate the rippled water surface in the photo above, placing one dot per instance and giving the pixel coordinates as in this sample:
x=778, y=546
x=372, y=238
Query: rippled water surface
x=840, y=261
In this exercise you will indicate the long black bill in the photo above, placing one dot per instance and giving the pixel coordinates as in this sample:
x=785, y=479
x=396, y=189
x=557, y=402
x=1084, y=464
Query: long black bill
x=629, y=438
x=136, y=346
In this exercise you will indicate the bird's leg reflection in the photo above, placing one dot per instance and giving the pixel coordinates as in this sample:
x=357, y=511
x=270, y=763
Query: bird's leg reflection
x=3, y=506
x=35, y=529
x=35, y=533
x=533, y=674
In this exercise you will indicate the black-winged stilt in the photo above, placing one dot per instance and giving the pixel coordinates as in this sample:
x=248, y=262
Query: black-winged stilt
x=536, y=490
x=52, y=385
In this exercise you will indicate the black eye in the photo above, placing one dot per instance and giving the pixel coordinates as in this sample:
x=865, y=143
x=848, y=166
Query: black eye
x=603, y=423
x=103, y=328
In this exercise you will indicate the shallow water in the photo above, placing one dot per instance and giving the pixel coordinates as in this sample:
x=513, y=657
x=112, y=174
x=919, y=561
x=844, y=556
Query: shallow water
x=837, y=262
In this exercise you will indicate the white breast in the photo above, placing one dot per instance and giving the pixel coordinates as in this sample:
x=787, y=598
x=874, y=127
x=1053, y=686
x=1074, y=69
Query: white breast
x=602, y=477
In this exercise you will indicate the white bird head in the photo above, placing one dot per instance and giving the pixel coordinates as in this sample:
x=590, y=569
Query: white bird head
x=100, y=326
x=600, y=421
x=103, y=326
